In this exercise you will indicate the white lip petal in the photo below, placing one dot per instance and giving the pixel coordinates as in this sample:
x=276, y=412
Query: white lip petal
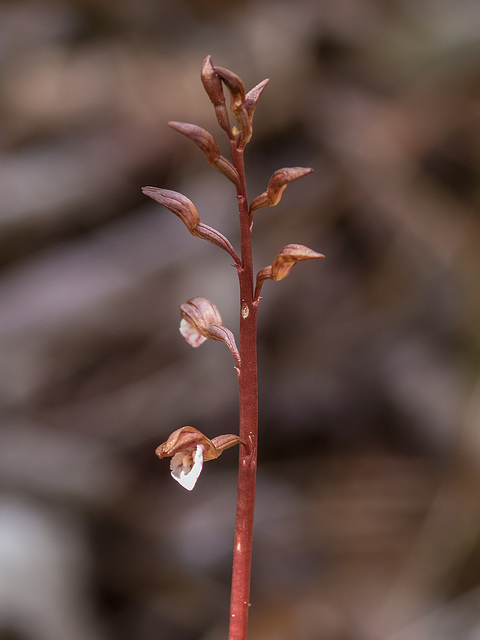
x=185, y=468
x=191, y=335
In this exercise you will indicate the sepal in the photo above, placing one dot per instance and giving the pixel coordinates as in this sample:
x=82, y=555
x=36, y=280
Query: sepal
x=186, y=439
x=252, y=97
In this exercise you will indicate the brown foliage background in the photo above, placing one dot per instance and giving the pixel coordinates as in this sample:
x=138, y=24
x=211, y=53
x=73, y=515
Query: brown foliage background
x=368, y=520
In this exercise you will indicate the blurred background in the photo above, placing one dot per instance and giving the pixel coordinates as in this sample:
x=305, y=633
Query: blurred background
x=368, y=517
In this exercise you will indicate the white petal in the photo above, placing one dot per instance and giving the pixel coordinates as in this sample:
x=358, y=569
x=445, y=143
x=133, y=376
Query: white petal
x=191, y=335
x=185, y=468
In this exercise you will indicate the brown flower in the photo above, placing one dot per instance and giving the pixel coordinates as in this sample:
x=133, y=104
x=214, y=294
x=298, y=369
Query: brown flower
x=276, y=186
x=201, y=321
x=189, y=448
x=207, y=143
x=184, y=208
x=284, y=262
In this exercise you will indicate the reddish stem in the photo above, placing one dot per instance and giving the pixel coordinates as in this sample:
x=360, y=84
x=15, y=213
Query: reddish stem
x=248, y=400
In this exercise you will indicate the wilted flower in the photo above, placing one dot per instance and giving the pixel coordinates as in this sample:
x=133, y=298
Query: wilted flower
x=201, y=321
x=188, y=448
x=288, y=257
x=284, y=262
x=276, y=186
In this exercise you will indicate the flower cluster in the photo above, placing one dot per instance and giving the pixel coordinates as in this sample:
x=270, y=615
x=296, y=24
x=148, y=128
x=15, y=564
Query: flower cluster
x=200, y=318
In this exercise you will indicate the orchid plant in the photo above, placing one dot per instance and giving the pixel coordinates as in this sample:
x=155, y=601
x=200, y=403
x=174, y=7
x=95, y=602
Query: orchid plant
x=201, y=320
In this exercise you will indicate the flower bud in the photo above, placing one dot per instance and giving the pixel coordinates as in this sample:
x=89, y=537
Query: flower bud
x=276, y=186
x=201, y=137
x=284, y=262
x=213, y=87
x=215, y=237
x=182, y=207
x=242, y=132
x=177, y=203
x=234, y=85
x=226, y=167
x=244, y=113
x=242, y=105
x=201, y=320
x=206, y=142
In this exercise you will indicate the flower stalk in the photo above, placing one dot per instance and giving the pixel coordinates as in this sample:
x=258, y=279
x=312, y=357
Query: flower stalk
x=248, y=402
x=201, y=320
